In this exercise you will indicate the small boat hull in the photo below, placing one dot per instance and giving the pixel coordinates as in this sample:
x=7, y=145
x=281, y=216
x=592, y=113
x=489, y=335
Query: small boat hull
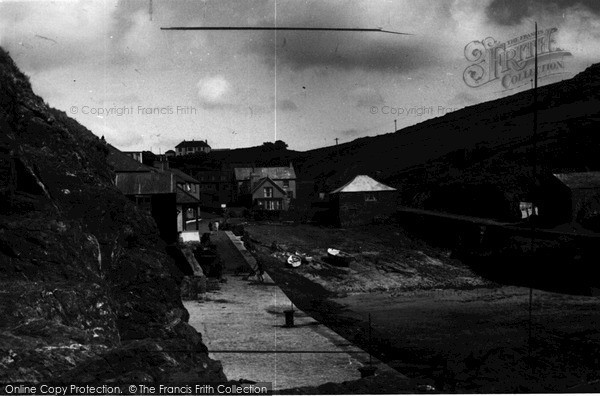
x=339, y=258
x=294, y=261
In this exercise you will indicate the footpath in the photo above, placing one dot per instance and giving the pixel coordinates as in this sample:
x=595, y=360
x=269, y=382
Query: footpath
x=244, y=326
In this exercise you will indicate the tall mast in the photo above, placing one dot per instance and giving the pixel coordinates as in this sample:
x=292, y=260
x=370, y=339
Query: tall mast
x=535, y=110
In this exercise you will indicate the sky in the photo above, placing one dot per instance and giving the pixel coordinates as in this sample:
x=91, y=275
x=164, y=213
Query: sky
x=110, y=66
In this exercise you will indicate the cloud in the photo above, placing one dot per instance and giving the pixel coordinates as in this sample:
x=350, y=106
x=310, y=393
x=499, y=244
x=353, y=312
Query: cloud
x=578, y=23
x=342, y=51
x=119, y=99
x=462, y=99
x=286, y=105
x=508, y=12
x=215, y=92
x=352, y=132
x=366, y=96
x=370, y=51
x=118, y=138
x=46, y=35
x=514, y=12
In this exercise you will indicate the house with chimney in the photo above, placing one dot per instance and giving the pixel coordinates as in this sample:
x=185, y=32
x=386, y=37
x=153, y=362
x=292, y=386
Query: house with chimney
x=216, y=186
x=188, y=201
x=265, y=188
x=152, y=190
x=188, y=195
x=191, y=147
x=170, y=195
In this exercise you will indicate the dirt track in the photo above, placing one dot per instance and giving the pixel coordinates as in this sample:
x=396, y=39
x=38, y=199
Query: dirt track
x=461, y=339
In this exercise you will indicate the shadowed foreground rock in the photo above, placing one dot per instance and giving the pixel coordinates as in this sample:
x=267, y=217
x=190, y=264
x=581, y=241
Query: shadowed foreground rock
x=385, y=383
x=86, y=290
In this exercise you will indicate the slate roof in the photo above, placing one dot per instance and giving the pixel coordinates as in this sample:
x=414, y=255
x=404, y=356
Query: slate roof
x=181, y=176
x=145, y=183
x=183, y=197
x=579, y=180
x=274, y=173
x=192, y=143
x=263, y=181
x=363, y=183
x=121, y=162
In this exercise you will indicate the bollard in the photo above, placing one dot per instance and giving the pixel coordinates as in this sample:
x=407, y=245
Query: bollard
x=289, y=318
x=367, y=371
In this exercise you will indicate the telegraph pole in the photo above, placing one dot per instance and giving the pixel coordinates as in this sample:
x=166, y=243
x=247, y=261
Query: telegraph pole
x=534, y=184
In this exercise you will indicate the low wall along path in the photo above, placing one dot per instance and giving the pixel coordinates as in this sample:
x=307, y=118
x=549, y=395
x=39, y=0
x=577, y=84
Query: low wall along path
x=243, y=325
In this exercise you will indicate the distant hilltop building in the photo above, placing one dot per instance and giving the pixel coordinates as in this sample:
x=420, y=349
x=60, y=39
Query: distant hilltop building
x=192, y=146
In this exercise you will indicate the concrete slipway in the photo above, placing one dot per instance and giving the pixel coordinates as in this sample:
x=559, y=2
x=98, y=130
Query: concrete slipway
x=243, y=326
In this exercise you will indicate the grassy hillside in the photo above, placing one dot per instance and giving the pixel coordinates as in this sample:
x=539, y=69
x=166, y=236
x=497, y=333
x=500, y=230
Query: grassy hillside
x=471, y=161
x=482, y=147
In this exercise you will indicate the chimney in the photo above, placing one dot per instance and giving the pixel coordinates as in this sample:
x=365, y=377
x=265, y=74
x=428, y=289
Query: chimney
x=161, y=165
x=253, y=179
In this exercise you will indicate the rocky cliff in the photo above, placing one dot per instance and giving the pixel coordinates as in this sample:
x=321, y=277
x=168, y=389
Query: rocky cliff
x=87, y=291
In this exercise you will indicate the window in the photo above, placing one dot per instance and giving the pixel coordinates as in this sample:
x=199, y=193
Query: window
x=273, y=205
x=286, y=183
x=290, y=194
x=370, y=197
x=527, y=209
x=268, y=192
x=144, y=202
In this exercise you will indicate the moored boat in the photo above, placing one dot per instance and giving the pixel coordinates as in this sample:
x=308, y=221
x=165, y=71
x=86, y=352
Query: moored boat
x=339, y=258
x=294, y=261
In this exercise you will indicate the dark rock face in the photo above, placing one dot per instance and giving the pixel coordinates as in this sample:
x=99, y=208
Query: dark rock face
x=192, y=286
x=87, y=291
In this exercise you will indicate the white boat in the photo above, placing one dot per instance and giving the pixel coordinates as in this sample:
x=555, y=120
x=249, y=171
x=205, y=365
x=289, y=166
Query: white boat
x=339, y=258
x=294, y=261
